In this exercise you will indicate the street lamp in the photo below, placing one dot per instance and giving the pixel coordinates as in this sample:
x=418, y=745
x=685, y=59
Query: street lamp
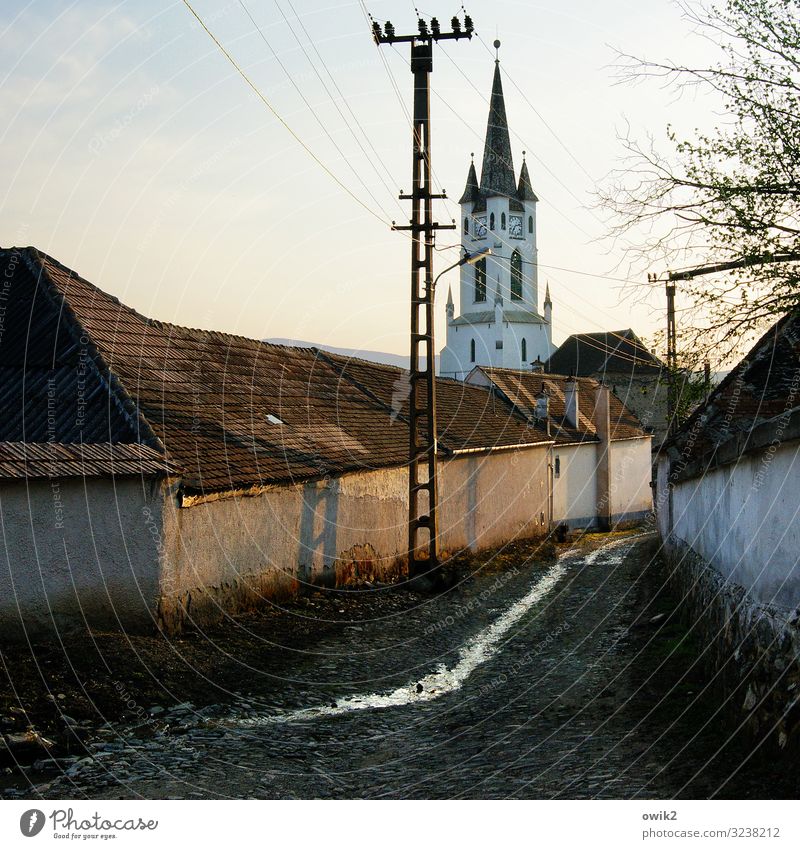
x=467, y=259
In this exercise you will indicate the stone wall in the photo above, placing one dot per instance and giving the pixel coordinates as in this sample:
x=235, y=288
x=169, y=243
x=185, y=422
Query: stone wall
x=752, y=650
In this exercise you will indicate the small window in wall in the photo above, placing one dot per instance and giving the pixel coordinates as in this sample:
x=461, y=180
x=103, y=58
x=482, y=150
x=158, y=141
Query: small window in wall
x=491, y=221
x=516, y=276
x=530, y=224
x=557, y=467
x=466, y=226
x=480, y=281
x=524, y=351
x=502, y=221
x=472, y=350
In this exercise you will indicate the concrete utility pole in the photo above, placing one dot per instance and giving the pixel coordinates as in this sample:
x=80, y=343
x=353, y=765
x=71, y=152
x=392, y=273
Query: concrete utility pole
x=422, y=488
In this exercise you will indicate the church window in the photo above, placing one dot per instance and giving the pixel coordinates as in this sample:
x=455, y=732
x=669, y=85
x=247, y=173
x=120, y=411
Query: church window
x=530, y=224
x=491, y=221
x=557, y=470
x=472, y=350
x=502, y=221
x=524, y=350
x=516, y=276
x=480, y=280
x=466, y=226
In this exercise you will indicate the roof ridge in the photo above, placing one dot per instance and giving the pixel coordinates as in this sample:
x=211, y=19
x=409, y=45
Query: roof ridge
x=153, y=322
x=127, y=405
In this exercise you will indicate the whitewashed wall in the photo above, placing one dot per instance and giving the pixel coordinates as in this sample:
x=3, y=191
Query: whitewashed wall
x=630, y=474
x=744, y=520
x=235, y=552
x=76, y=549
x=575, y=489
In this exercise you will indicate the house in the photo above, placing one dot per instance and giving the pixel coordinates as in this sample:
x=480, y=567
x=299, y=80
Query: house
x=601, y=456
x=157, y=475
x=727, y=511
x=623, y=362
x=499, y=322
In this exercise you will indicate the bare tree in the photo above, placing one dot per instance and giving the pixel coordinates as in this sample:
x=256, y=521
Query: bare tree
x=729, y=193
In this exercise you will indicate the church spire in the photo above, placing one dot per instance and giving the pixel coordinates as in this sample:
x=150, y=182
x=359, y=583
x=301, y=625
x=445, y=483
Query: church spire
x=471, y=190
x=547, y=294
x=525, y=189
x=497, y=173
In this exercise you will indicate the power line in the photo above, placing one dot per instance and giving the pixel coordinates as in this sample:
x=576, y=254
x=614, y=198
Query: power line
x=311, y=108
x=343, y=98
x=272, y=109
x=533, y=152
x=539, y=114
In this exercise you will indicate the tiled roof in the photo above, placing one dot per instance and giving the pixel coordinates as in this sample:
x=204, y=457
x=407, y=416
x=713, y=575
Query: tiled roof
x=763, y=387
x=57, y=460
x=522, y=387
x=468, y=417
x=619, y=352
x=230, y=412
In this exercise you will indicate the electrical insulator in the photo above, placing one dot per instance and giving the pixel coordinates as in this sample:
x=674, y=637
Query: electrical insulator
x=468, y=23
x=455, y=24
x=388, y=28
x=423, y=28
x=376, y=31
x=435, y=28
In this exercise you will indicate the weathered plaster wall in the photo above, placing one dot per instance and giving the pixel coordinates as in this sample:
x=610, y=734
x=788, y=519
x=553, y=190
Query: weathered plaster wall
x=234, y=553
x=744, y=519
x=488, y=499
x=629, y=475
x=575, y=489
x=76, y=550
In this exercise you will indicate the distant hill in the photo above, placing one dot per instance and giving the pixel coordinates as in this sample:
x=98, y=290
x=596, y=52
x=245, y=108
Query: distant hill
x=374, y=356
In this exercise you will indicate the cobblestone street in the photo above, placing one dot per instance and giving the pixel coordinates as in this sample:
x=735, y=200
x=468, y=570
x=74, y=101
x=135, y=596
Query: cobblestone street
x=539, y=682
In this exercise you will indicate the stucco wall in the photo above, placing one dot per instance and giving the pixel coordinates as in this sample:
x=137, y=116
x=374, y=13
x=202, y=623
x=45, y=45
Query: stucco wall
x=575, y=489
x=630, y=472
x=743, y=519
x=78, y=549
x=237, y=552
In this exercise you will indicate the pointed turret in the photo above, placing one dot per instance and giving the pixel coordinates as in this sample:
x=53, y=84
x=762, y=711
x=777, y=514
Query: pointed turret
x=525, y=189
x=450, y=309
x=548, y=314
x=471, y=190
x=497, y=173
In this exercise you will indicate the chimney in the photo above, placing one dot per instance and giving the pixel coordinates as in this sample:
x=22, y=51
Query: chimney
x=571, y=401
x=602, y=424
x=537, y=365
x=542, y=410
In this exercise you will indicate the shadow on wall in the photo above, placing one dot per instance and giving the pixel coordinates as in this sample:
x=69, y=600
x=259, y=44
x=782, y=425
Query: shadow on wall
x=318, y=533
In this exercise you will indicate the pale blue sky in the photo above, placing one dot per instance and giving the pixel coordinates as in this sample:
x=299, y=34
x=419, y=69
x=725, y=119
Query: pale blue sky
x=135, y=154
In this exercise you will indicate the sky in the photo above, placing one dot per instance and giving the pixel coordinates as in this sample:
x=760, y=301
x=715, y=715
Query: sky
x=135, y=153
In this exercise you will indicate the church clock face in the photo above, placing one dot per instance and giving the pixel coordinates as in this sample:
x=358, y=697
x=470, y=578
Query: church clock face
x=515, y=226
x=480, y=227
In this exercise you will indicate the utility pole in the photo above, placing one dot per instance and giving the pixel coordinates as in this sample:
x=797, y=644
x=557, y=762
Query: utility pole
x=691, y=274
x=422, y=484
x=672, y=360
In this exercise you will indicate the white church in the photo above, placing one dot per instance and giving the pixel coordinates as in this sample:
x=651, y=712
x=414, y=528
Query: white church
x=499, y=322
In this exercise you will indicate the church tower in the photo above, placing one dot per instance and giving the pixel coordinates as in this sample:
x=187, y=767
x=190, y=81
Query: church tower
x=499, y=323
